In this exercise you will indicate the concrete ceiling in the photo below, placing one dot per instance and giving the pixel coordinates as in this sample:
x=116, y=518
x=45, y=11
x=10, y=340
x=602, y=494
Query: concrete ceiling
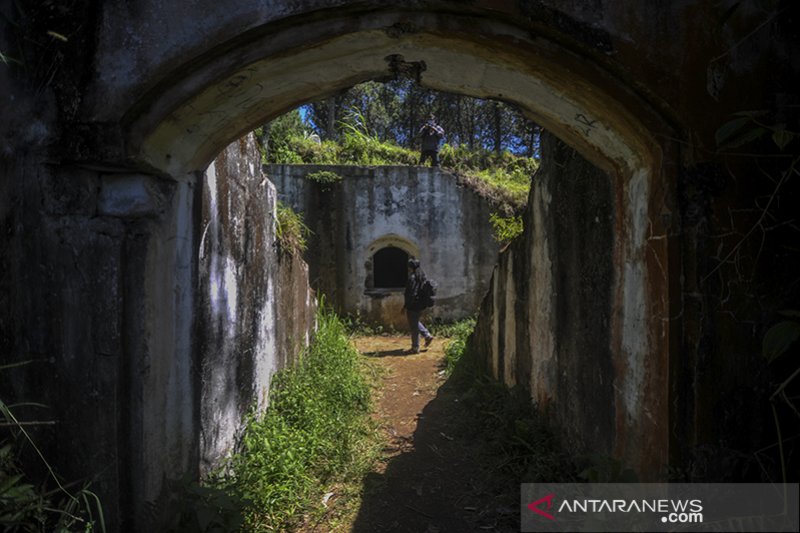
x=189, y=118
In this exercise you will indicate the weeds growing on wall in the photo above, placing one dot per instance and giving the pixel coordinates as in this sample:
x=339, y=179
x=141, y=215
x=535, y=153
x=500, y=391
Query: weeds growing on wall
x=502, y=178
x=316, y=431
x=291, y=231
x=506, y=228
x=324, y=178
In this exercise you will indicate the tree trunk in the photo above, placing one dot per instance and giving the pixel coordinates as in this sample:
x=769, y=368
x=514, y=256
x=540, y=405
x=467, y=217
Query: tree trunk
x=497, y=127
x=331, y=129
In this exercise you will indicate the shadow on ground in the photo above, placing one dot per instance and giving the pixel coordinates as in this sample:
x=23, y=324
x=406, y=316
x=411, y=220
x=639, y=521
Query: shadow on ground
x=436, y=480
x=386, y=353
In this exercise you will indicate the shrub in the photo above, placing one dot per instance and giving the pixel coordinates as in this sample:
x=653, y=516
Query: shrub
x=290, y=229
x=325, y=178
x=456, y=346
x=312, y=433
x=506, y=228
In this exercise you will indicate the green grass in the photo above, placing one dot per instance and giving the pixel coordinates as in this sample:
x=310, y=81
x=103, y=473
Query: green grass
x=518, y=441
x=357, y=327
x=503, y=178
x=506, y=228
x=452, y=328
x=291, y=230
x=315, y=433
x=355, y=148
x=49, y=505
x=455, y=348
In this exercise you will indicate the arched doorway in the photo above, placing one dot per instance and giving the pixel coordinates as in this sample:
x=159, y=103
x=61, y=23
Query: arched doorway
x=389, y=268
x=384, y=279
x=183, y=120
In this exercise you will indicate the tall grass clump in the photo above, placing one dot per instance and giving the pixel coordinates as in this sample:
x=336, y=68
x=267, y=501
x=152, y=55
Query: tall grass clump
x=360, y=147
x=456, y=347
x=502, y=177
x=506, y=228
x=28, y=505
x=313, y=433
x=291, y=231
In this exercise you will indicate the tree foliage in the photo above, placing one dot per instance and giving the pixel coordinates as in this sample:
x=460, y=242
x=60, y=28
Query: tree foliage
x=489, y=146
x=395, y=111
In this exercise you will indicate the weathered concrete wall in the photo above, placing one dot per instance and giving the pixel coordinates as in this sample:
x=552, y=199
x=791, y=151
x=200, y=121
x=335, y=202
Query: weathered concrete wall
x=256, y=304
x=423, y=211
x=61, y=305
x=143, y=94
x=548, y=323
x=143, y=49
x=100, y=294
x=111, y=348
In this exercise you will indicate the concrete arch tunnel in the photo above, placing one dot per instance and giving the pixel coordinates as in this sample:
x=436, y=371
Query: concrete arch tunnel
x=622, y=310
x=183, y=122
x=185, y=119
x=209, y=81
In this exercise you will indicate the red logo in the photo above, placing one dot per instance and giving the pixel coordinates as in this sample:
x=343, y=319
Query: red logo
x=548, y=500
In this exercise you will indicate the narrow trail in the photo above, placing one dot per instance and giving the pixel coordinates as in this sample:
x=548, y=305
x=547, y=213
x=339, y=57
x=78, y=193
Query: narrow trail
x=431, y=478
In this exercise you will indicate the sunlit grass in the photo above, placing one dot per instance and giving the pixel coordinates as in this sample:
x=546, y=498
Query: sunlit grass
x=291, y=230
x=504, y=178
x=315, y=434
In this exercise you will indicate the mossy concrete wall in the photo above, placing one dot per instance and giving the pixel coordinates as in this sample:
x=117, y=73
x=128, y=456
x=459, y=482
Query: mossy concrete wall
x=105, y=135
x=422, y=210
x=257, y=309
x=548, y=323
x=167, y=310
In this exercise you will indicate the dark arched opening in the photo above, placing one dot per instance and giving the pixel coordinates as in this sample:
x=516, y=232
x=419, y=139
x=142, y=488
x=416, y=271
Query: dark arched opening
x=389, y=268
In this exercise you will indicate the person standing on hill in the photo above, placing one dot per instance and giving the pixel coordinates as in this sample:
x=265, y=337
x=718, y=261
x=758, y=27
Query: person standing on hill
x=413, y=305
x=432, y=135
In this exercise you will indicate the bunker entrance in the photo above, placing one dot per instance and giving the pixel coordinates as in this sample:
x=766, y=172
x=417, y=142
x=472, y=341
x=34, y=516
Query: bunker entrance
x=389, y=268
x=192, y=121
x=371, y=185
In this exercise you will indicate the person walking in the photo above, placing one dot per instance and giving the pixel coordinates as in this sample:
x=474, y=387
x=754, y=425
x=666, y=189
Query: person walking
x=432, y=135
x=413, y=305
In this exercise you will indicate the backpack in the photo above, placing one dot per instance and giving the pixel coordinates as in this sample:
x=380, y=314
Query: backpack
x=426, y=293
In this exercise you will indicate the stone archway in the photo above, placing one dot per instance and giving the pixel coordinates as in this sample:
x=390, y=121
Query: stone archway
x=114, y=108
x=381, y=245
x=181, y=123
x=381, y=302
x=168, y=90
x=388, y=268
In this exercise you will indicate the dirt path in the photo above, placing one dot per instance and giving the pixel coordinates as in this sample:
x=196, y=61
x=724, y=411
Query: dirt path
x=430, y=479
